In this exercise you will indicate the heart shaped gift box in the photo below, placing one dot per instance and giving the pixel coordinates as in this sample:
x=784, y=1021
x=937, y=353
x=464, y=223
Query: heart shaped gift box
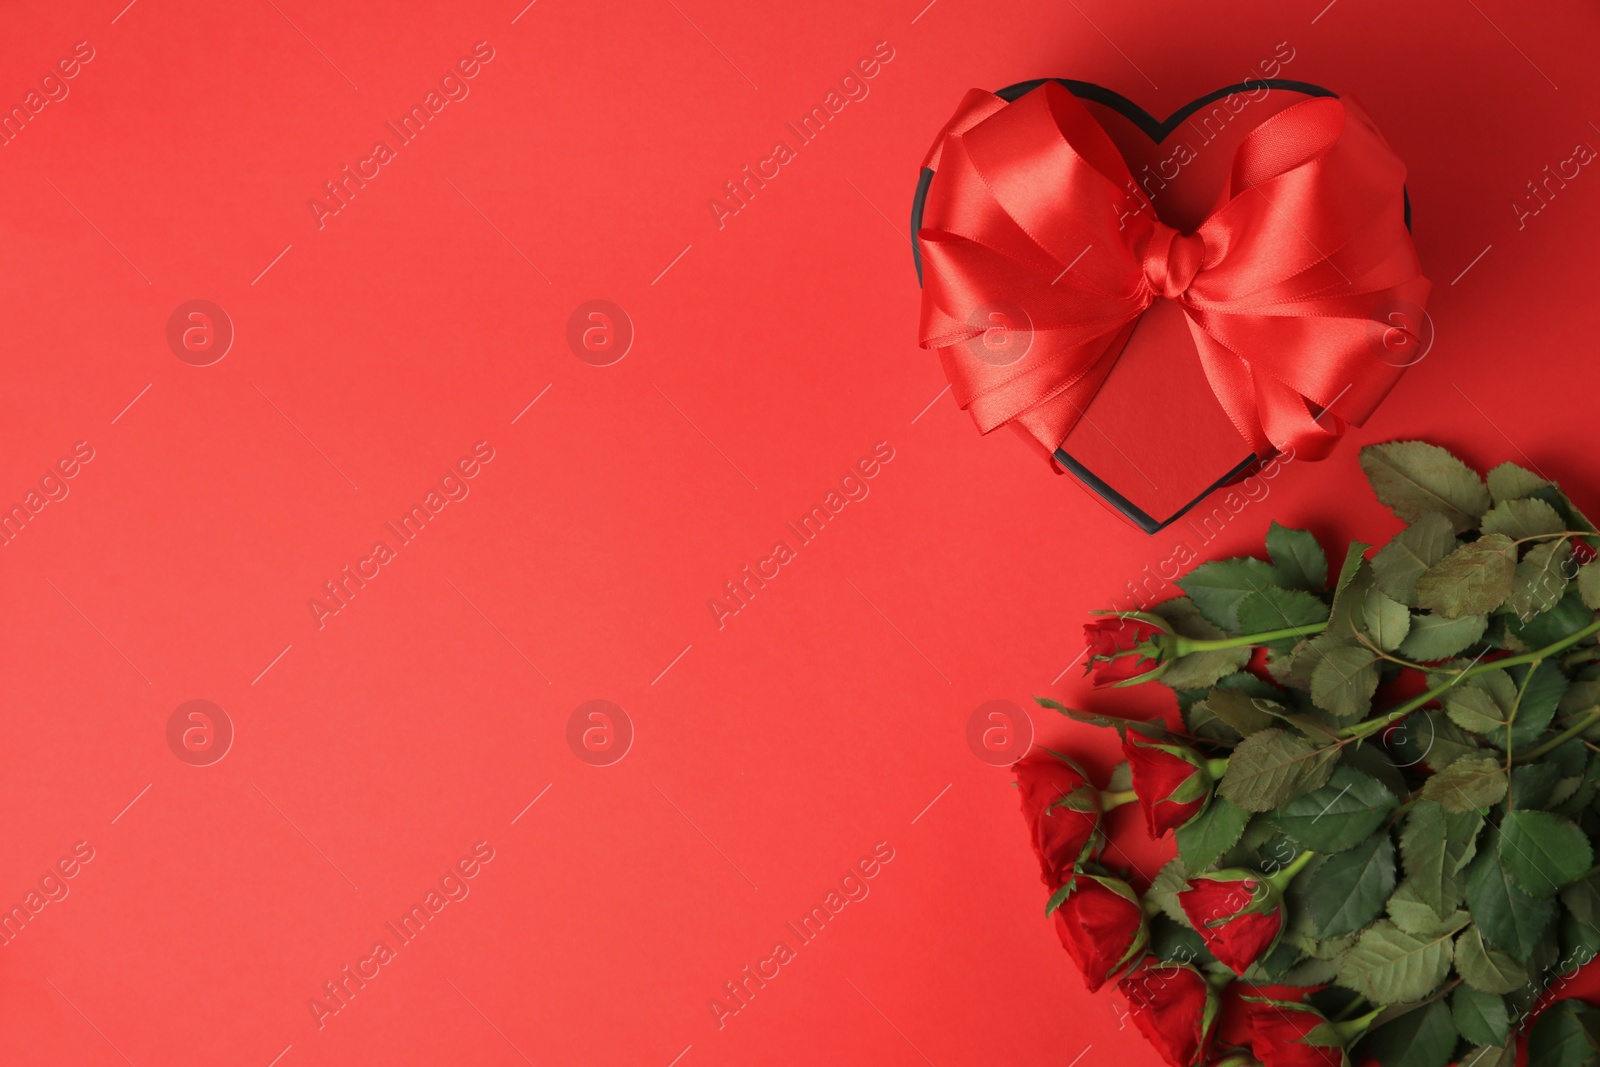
x=1165, y=306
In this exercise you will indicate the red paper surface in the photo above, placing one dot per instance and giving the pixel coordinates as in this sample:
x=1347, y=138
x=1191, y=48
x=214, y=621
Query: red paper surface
x=771, y=356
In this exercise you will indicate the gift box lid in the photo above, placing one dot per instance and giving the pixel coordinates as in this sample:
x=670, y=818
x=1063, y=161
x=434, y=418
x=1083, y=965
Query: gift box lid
x=1153, y=442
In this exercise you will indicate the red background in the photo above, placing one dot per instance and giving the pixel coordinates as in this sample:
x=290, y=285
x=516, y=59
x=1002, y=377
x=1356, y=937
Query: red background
x=770, y=356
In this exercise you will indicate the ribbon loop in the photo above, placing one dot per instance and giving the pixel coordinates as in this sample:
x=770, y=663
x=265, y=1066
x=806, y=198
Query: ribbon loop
x=1289, y=287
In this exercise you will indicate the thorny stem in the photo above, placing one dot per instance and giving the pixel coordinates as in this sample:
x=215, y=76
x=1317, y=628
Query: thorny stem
x=1182, y=645
x=1562, y=738
x=1372, y=726
x=1511, y=721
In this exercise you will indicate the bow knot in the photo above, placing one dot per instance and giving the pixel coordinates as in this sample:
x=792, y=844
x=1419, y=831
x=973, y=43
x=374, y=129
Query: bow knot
x=1171, y=260
x=1288, y=286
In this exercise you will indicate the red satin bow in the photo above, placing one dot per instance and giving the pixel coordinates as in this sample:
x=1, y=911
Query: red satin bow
x=1288, y=286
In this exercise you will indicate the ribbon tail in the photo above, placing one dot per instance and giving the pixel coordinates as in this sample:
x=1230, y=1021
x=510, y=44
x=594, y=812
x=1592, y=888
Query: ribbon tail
x=1271, y=417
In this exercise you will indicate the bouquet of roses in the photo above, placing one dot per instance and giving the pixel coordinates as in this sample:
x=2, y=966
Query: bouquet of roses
x=1384, y=793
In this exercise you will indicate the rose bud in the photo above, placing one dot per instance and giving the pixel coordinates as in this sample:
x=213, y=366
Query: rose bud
x=1171, y=781
x=1239, y=915
x=1286, y=1034
x=1127, y=648
x=1063, y=811
x=1174, y=1007
x=1233, y=1022
x=1101, y=925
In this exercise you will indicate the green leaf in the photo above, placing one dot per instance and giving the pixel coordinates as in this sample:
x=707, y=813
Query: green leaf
x=1415, y=917
x=1540, y=580
x=1481, y=704
x=1198, y=670
x=1271, y=968
x=1461, y=840
x=1387, y=621
x=1532, y=785
x=1413, y=477
x=1309, y=971
x=1434, y=637
x=1059, y=897
x=1351, y=888
x=1345, y=620
x=1272, y=767
x=1518, y=519
x=1472, y=580
x=1439, y=741
x=1434, y=847
x=1562, y=621
x=1355, y=554
x=1217, y=588
x=1583, y=900
x=1543, y=852
x=1171, y=880
x=1589, y=585
x=1343, y=683
x=1211, y=833
x=1299, y=559
x=1423, y=851
x=1271, y=608
x=1537, y=707
x=1410, y=553
x=1240, y=710
x=1481, y=1018
x=1576, y=520
x=1374, y=762
x=1201, y=722
x=1510, y=482
x=1422, y=1037
x=1338, y=816
x=1177, y=944
x=1580, y=943
x=1565, y=1035
x=1468, y=784
x=1389, y=966
x=1475, y=709
x=1486, y=969
x=1491, y=1056
x=1510, y=919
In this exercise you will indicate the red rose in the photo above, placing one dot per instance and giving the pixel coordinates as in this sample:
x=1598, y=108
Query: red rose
x=1293, y=1035
x=1233, y=1021
x=1127, y=647
x=1582, y=552
x=1237, y=913
x=1171, y=781
x=1063, y=811
x=1175, y=1008
x=1101, y=925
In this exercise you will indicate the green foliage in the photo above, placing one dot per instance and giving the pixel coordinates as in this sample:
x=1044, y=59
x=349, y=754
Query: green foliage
x=1338, y=816
x=1422, y=1037
x=1211, y=833
x=1408, y=762
x=1351, y=888
x=1566, y=1035
x=1272, y=767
